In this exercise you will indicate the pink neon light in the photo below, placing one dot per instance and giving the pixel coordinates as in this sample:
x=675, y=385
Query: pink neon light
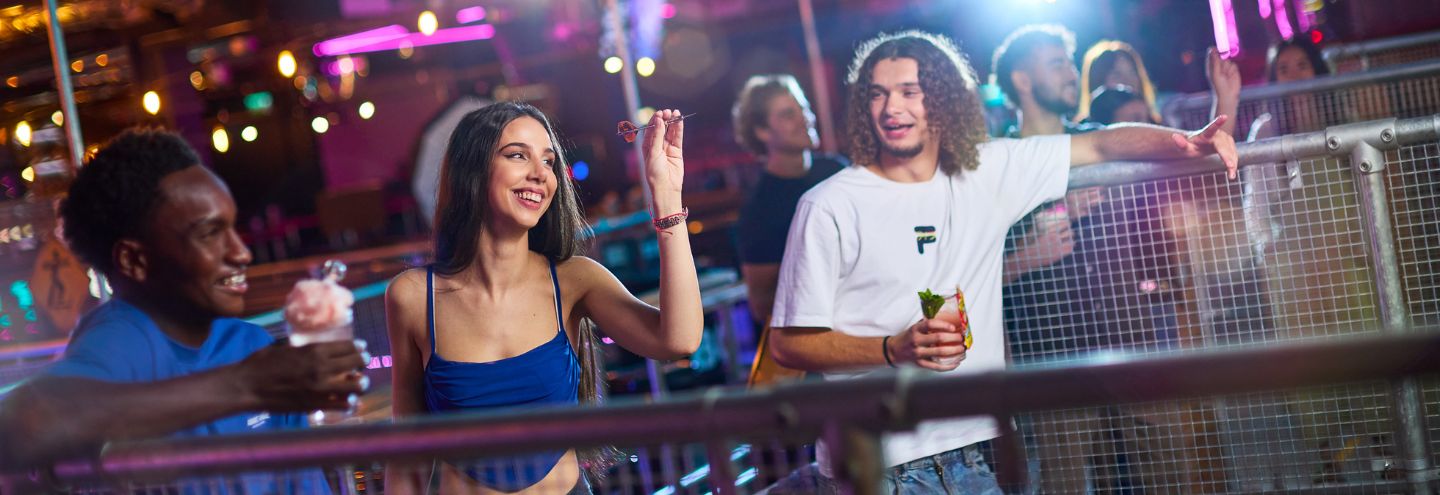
x=336, y=46
x=1227, y=37
x=1264, y=9
x=1282, y=20
x=470, y=14
x=443, y=36
x=667, y=11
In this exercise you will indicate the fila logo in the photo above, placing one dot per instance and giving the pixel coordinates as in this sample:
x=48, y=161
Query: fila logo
x=924, y=235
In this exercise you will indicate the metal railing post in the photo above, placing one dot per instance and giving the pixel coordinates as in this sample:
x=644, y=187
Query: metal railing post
x=1367, y=160
x=722, y=469
x=856, y=460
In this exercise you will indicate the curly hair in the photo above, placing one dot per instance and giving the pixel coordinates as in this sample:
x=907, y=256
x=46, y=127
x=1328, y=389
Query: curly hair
x=1018, y=47
x=113, y=196
x=953, y=108
x=750, y=110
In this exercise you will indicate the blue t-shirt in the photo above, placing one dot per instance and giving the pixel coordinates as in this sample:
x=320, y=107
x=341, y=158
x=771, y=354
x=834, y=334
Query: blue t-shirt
x=116, y=342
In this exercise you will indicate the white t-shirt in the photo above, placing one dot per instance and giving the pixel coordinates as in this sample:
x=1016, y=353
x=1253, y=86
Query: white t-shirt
x=858, y=253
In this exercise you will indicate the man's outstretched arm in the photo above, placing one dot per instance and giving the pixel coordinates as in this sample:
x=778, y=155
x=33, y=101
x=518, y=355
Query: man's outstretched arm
x=53, y=418
x=1149, y=142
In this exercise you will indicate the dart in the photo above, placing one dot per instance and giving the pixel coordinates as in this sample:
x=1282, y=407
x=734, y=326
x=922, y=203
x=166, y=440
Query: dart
x=629, y=131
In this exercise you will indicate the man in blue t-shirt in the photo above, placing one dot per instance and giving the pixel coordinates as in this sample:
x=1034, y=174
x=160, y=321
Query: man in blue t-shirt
x=166, y=356
x=772, y=120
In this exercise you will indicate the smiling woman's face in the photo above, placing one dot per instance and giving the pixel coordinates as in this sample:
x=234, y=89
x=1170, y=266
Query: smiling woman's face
x=522, y=174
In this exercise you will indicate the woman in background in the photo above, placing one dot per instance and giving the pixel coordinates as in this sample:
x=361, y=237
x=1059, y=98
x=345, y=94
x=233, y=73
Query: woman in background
x=1114, y=63
x=1115, y=104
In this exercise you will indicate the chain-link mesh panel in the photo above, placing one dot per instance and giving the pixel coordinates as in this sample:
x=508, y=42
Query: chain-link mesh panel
x=1330, y=437
x=1413, y=175
x=1306, y=112
x=1194, y=262
x=1360, y=62
x=1191, y=263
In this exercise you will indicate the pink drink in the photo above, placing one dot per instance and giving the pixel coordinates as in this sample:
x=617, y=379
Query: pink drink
x=321, y=311
x=953, y=312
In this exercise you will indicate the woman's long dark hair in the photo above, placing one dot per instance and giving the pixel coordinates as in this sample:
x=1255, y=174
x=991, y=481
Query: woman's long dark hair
x=1287, y=111
x=1312, y=53
x=463, y=206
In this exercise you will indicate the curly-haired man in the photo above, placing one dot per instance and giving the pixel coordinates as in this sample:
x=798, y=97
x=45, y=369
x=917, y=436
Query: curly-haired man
x=927, y=206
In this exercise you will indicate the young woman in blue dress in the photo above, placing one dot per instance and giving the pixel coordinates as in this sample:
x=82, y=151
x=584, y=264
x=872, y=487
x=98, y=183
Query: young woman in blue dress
x=498, y=320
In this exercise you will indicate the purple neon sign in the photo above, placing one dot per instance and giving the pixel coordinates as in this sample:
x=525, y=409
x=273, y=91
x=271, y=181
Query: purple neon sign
x=394, y=36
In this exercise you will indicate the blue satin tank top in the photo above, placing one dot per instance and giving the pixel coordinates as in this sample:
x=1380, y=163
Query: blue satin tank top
x=548, y=374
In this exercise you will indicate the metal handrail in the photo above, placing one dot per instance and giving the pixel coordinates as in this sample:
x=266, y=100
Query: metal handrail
x=1402, y=132
x=880, y=401
x=1201, y=101
x=1331, y=53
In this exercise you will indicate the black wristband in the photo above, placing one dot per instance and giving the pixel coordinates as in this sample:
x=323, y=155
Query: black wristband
x=885, y=350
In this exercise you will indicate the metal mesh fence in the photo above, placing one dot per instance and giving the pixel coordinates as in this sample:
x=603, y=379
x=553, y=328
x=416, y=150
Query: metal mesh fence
x=1198, y=262
x=1359, y=61
x=1414, y=186
x=1413, y=176
x=1314, y=111
x=1333, y=437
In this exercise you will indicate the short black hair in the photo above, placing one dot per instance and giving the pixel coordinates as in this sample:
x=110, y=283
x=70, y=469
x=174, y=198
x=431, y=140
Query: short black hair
x=114, y=194
x=1019, y=46
x=1108, y=100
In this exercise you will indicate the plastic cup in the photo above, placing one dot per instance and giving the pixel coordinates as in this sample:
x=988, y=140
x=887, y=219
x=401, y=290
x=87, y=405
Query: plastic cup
x=950, y=312
x=336, y=333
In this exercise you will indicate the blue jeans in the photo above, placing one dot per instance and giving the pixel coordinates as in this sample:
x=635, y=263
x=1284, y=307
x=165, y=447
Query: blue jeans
x=962, y=471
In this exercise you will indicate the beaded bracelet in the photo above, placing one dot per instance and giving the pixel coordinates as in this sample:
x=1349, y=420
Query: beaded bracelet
x=672, y=220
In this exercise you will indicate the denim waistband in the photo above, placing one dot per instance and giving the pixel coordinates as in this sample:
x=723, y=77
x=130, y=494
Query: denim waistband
x=962, y=455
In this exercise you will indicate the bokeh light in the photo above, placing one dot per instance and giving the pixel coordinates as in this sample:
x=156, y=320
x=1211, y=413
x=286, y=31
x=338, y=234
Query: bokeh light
x=151, y=102
x=286, y=63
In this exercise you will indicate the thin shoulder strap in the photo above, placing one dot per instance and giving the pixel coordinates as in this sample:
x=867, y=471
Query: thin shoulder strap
x=555, y=281
x=430, y=306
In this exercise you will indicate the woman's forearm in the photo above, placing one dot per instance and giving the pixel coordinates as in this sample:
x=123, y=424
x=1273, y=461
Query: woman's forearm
x=682, y=318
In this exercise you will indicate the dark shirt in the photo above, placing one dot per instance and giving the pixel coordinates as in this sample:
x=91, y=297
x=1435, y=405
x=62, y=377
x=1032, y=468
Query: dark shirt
x=765, y=217
x=1115, y=291
x=1044, y=308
